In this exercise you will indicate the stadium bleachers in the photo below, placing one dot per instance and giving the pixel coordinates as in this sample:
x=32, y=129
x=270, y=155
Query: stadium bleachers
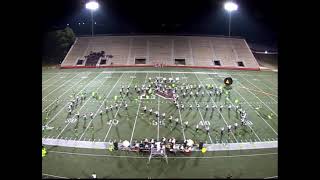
x=167, y=50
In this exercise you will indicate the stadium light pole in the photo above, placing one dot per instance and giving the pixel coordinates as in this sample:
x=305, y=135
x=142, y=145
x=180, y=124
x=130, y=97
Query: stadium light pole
x=230, y=6
x=92, y=6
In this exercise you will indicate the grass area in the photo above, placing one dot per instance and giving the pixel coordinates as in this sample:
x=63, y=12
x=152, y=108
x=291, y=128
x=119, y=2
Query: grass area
x=253, y=90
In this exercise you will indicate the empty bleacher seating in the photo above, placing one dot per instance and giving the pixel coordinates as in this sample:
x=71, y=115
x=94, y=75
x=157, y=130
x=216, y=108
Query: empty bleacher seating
x=188, y=50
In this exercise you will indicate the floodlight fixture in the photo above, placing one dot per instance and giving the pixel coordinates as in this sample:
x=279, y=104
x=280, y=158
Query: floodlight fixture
x=92, y=5
x=230, y=6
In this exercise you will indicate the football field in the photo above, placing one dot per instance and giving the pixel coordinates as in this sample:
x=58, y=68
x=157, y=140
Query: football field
x=74, y=146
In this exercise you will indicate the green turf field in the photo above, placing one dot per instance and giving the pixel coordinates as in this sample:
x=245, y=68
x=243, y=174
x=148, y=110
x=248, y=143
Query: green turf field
x=255, y=91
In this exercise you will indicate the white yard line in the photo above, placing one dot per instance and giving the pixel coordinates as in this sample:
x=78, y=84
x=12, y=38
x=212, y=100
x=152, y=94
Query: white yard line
x=145, y=157
x=63, y=94
x=49, y=85
x=260, y=89
x=55, y=176
x=100, y=107
x=271, y=82
x=69, y=142
x=232, y=105
x=218, y=110
x=257, y=112
x=60, y=86
x=184, y=137
x=259, y=99
x=265, y=85
x=80, y=110
x=50, y=78
x=202, y=117
x=63, y=108
x=159, y=114
x=110, y=126
x=185, y=72
x=271, y=177
x=135, y=120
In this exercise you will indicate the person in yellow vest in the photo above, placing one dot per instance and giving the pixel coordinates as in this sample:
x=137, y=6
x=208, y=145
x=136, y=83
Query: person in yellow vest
x=44, y=151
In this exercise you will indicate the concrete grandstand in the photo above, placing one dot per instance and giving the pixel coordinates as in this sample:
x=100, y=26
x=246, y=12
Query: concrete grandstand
x=172, y=51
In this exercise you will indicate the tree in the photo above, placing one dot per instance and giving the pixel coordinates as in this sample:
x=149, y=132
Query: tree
x=56, y=45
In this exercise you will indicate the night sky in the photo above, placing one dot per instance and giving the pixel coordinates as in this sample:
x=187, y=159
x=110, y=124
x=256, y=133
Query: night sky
x=255, y=20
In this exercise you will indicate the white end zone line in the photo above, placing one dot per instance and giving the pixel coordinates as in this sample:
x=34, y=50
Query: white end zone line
x=135, y=121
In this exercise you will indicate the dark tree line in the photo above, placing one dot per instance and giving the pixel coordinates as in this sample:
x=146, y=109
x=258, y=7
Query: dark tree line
x=56, y=45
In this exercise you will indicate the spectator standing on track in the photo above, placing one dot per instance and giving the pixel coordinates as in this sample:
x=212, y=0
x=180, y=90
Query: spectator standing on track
x=145, y=109
x=84, y=117
x=91, y=115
